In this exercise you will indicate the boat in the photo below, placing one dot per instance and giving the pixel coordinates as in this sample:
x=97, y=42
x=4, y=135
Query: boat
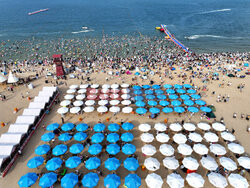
x=38, y=11
x=84, y=27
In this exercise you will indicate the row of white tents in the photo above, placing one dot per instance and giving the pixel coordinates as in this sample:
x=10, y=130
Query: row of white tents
x=11, y=78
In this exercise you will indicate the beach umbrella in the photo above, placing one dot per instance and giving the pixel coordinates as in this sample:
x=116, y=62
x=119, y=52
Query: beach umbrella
x=115, y=90
x=137, y=92
x=81, y=91
x=69, y=180
x=228, y=136
x=103, y=96
x=175, y=127
x=164, y=103
x=218, y=126
x=209, y=163
x=131, y=164
x=204, y=126
x=127, y=126
x=195, y=180
x=160, y=127
x=162, y=137
x=189, y=126
x=114, y=109
x=190, y=163
x=136, y=87
x=27, y=180
x=47, y=137
x=188, y=102
x=105, y=86
x=2, y=78
x=94, y=86
x=144, y=127
x=73, y=86
x=244, y=162
x=195, y=96
x=205, y=109
x=211, y=137
x=177, y=86
x=113, y=127
x=73, y=162
x=125, y=90
x=217, y=149
x=154, y=181
x=75, y=110
x=52, y=126
x=171, y=163
x=175, y=180
x=167, y=86
x=80, y=136
x=80, y=97
x=167, y=110
x=125, y=85
x=236, y=180
x=187, y=86
x=114, y=102
x=228, y=163
x=127, y=110
x=125, y=96
x=65, y=137
x=138, y=98
x=200, y=102
x=180, y=138
x=97, y=138
x=173, y=97
x=146, y=86
x=185, y=97
x=181, y=91
x=147, y=137
x=154, y=110
x=179, y=109
x=112, y=181
x=236, y=148
x=84, y=86
x=149, y=92
x=126, y=102
x=93, y=91
x=89, y=109
x=141, y=110
x=62, y=110
x=150, y=97
x=53, y=164
x=112, y=163
x=76, y=148
x=78, y=103
x=42, y=149
x=90, y=102
x=200, y=149
x=191, y=91
x=148, y=150
x=70, y=91
x=140, y=103
x=159, y=91
x=156, y=87
x=113, y=149
x=152, y=103
x=128, y=149
x=48, y=179
x=184, y=149
x=59, y=150
x=132, y=181
x=127, y=137
x=67, y=126
x=166, y=150
x=95, y=149
x=152, y=164
x=69, y=97
x=92, y=163
x=90, y=180
x=99, y=127
x=35, y=162
x=91, y=97
x=103, y=102
x=82, y=127
x=193, y=109
x=170, y=91
x=113, y=137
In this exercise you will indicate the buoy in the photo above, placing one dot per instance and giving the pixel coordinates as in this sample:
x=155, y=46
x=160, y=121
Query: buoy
x=157, y=28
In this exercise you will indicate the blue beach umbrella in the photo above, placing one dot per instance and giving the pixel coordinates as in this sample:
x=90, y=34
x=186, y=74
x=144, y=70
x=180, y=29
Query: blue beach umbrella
x=150, y=97
x=167, y=86
x=73, y=162
x=176, y=103
x=161, y=97
x=42, y=149
x=47, y=137
x=191, y=91
x=128, y=149
x=113, y=127
x=140, y=103
x=95, y=149
x=67, y=126
x=146, y=86
x=90, y=180
x=127, y=137
x=137, y=92
x=92, y=163
x=35, y=162
x=159, y=91
x=152, y=103
x=82, y=127
x=97, y=138
x=112, y=181
x=59, y=150
x=113, y=137
x=179, y=109
x=185, y=97
x=138, y=98
x=76, y=148
x=48, y=179
x=200, y=102
x=137, y=73
x=205, y=109
x=69, y=180
x=131, y=164
x=141, y=110
x=177, y=86
x=53, y=164
x=173, y=97
x=193, y=109
x=195, y=96
x=164, y=103
x=112, y=163
x=181, y=91
x=99, y=127
x=154, y=110
x=52, y=126
x=80, y=136
x=65, y=137
x=167, y=110
x=187, y=86
x=113, y=149
x=156, y=87
x=127, y=126
x=136, y=87
x=188, y=102
x=132, y=181
x=170, y=91
x=149, y=92
x=27, y=180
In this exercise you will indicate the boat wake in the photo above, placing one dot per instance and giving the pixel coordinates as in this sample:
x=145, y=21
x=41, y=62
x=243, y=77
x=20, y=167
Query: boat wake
x=213, y=11
x=193, y=37
x=82, y=31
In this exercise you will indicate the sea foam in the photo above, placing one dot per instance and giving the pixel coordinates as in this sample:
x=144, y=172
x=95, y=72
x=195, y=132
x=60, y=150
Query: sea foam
x=213, y=11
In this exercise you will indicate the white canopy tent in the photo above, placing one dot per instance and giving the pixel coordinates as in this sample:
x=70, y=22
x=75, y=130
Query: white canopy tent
x=46, y=93
x=12, y=78
x=40, y=105
x=25, y=119
x=11, y=138
x=32, y=112
x=6, y=149
x=19, y=128
x=45, y=99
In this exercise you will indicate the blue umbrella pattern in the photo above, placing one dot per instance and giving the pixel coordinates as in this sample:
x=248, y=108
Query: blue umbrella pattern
x=80, y=136
x=131, y=164
x=154, y=110
x=35, y=162
x=185, y=97
x=112, y=181
x=47, y=137
x=99, y=127
x=191, y=91
x=188, y=102
x=150, y=97
x=113, y=127
x=112, y=163
x=161, y=97
x=187, y=86
x=177, y=86
x=140, y=103
x=90, y=180
x=82, y=127
x=136, y=87
x=76, y=148
x=149, y=92
x=156, y=87
x=167, y=110
x=173, y=97
x=167, y=86
x=146, y=86
x=113, y=137
x=73, y=162
x=67, y=126
x=42, y=149
x=48, y=179
x=152, y=103
x=141, y=110
x=113, y=149
x=164, y=103
x=181, y=91
x=200, y=102
x=127, y=137
x=52, y=126
x=132, y=181
x=193, y=109
x=137, y=92
x=27, y=180
x=127, y=126
x=59, y=150
x=65, y=137
x=97, y=138
x=159, y=91
x=69, y=180
x=95, y=149
x=179, y=109
x=176, y=103
x=53, y=164
x=195, y=96
x=138, y=98
x=205, y=109
x=128, y=149
x=92, y=163
x=170, y=91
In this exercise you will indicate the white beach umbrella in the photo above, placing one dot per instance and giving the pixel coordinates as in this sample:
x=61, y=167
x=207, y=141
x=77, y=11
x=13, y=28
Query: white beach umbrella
x=84, y=86
x=162, y=137
x=80, y=97
x=114, y=102
x=73, y=86
x=154, y=181
x=218, y=126
x=114, y=96
x=12, y=78
x=126, y=102
x=166, y=150
x=62, y=110
x=180, y=138
x=69, y=97
x=175, y=127
x=114, y=109
x=148, y=150
x=200, y=149
x=105, y=90
x=160, y=127
x=228, y=163
x=75, y=110
x=102, y=109
x=236, y=148
x=65, y=103
x=115, y=86
x=125, y=96
x=89, y=109
x=171, y=163
x=228, y=136
x=211, y=137
x=195, y=180
x=237, y=181
x=104, y=96
x=78, y=103
x=209, y=163
x=184, y=149
x=2, y=78
x=190, y=163
x=152, y=164
x=204, y=126
x=105, y=86
x=195, y=137
x=127, y=110
x=217, y=149
x=147, y=137
x=70, y=91
x=103, y=102
x=244, y=162
x=94, y=91
x=175, y=180
x=94, y=86
x=217, y=180
x=81, y=91
x=189, y=126
x=144, y=127
x=125, y=90
x=125, y=85
x=90, y=102
x=115, y=90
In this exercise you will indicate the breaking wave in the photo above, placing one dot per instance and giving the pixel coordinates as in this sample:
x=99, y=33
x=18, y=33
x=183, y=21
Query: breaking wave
x=193, y=37
x=82, y=31
x=213, y=11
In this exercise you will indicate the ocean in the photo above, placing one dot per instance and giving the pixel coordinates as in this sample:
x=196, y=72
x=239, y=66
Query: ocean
x=202, y=25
